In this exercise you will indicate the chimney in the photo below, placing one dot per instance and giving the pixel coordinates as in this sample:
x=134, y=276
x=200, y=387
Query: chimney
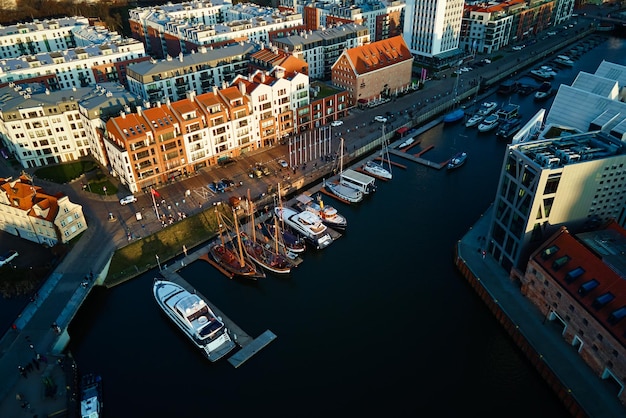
x=263, y=77
x=123, y=115
x=167, y=101
x=139, y=110
x=191, y=95
x=158, y=103
x=127, y=109
x=180, y=57
x=214, y=89
x=242, y=87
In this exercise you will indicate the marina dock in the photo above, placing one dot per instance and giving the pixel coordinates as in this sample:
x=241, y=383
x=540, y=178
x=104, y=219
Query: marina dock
x=249, y=346
x=417, y=159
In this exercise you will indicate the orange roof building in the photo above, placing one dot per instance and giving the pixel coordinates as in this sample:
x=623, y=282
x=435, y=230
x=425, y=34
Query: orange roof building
x=29, y=212
x=365, y=71
x=578, y=282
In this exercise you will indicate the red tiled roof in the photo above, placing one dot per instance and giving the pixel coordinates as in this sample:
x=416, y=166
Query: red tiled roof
x=594, y=268
x=379, y=54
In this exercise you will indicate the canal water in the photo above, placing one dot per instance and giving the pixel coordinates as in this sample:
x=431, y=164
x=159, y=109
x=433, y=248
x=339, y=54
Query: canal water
x=379, y=323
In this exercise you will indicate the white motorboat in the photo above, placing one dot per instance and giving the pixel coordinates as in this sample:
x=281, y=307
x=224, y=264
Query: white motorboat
x=474, y=120
x=489, y=123
x=487, y=108
x=457, y=160
x=406, y=143
x=194, y=317
x=91, y=396
x=307, y=224
x=328, y=214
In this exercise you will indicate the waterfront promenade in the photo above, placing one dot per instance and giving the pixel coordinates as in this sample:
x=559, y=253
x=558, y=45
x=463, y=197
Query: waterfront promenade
x=63, y=293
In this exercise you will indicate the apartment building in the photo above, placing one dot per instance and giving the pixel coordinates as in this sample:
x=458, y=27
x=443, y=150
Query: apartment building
x=155, y=81
x=578, y=283
x=185, y=28
x=148, y=24
x=40, y=126
x=275, y=97
x=364, y=71
x=97, y=107
x=321, y=48
x=268, y=58
x=39, y=36
x=487, y=28
x=326, y=104
x=573, y=175
x=28, y=212
x=432, y=29
x=75, y=67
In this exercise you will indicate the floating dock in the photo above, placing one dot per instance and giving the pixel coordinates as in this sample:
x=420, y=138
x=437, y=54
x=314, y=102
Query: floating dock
x=418, y=160
x=251, y=348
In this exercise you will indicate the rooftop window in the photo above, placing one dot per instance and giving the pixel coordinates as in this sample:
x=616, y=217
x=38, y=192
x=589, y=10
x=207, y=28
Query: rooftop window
x=548, y=252
x=560, y=262
x=572, y=275
x=617, y=315
x=602, y=300
x=587, y=287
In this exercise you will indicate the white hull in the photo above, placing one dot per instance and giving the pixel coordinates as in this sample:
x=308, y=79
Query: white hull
x=344, y=192
x=328, y=214
x=488, y=124
x=307, y=224
x=377, y=170
x=474, y=121
x=205, y=330
x=406, y=143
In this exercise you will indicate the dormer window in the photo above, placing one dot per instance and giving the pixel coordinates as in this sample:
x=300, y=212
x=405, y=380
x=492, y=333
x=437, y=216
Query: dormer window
x=587, y=287
x=548, y=252
x=602, y=300
x=572, y=275
x=560, y=262
x=617, y=315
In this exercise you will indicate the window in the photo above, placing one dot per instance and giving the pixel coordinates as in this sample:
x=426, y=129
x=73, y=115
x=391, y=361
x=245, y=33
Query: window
x=602, y=300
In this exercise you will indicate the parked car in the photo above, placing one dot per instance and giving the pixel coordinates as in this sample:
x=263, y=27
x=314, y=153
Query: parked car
x=128, y=199
x=284, y=163
x=380, y=119
x=225, y=161
x=228, y=183
x=336, y=123
x=7, y=257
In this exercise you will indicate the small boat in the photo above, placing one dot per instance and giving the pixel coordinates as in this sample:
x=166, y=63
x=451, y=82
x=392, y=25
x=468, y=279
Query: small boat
x=377, y=170
x=474, y=120
x=327, y=214
x=343, y=191
x=457, y=161
x=509, y=128
x=230, y=255
x=508, y=87
x=487, y=108
x=289, y=241
x=544, y=91
x=454, y=116
x=489, y=123
x=91, y=396
x=406, y=143
x=192, y=315
x=306, y=223
x=541, y=74
x=508, y=111
x=268, y=257
x=564, y=61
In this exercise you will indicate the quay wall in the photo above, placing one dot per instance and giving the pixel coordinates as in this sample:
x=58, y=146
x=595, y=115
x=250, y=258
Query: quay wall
x=518, y=337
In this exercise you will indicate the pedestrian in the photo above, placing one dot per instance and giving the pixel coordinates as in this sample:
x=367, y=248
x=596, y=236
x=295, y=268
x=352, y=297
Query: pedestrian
x=484, y=253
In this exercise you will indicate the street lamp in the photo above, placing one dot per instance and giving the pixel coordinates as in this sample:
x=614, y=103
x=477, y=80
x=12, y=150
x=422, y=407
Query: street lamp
x=158, y=262
x=104, y=188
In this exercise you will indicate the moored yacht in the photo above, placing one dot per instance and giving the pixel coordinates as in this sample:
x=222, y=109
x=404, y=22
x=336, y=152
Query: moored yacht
x=474, y=120
x=309, y=225
x=327, y=214
x=489, y=123
x=194, y=317
x=377, y=170
x=487, y=108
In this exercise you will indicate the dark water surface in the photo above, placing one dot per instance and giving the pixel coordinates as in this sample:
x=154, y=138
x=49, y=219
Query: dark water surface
x=380, y=322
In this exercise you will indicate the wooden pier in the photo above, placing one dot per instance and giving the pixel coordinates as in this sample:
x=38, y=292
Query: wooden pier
x=418, y=160
x=251, y=348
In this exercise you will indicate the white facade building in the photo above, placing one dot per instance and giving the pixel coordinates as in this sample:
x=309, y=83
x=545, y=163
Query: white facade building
x=432, y=27
x=67, y=68
x=172, y=78
x=39, y=36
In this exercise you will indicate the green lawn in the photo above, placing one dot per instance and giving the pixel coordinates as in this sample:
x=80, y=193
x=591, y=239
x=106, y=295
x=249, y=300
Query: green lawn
x=140, y=256
x=66, y=172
